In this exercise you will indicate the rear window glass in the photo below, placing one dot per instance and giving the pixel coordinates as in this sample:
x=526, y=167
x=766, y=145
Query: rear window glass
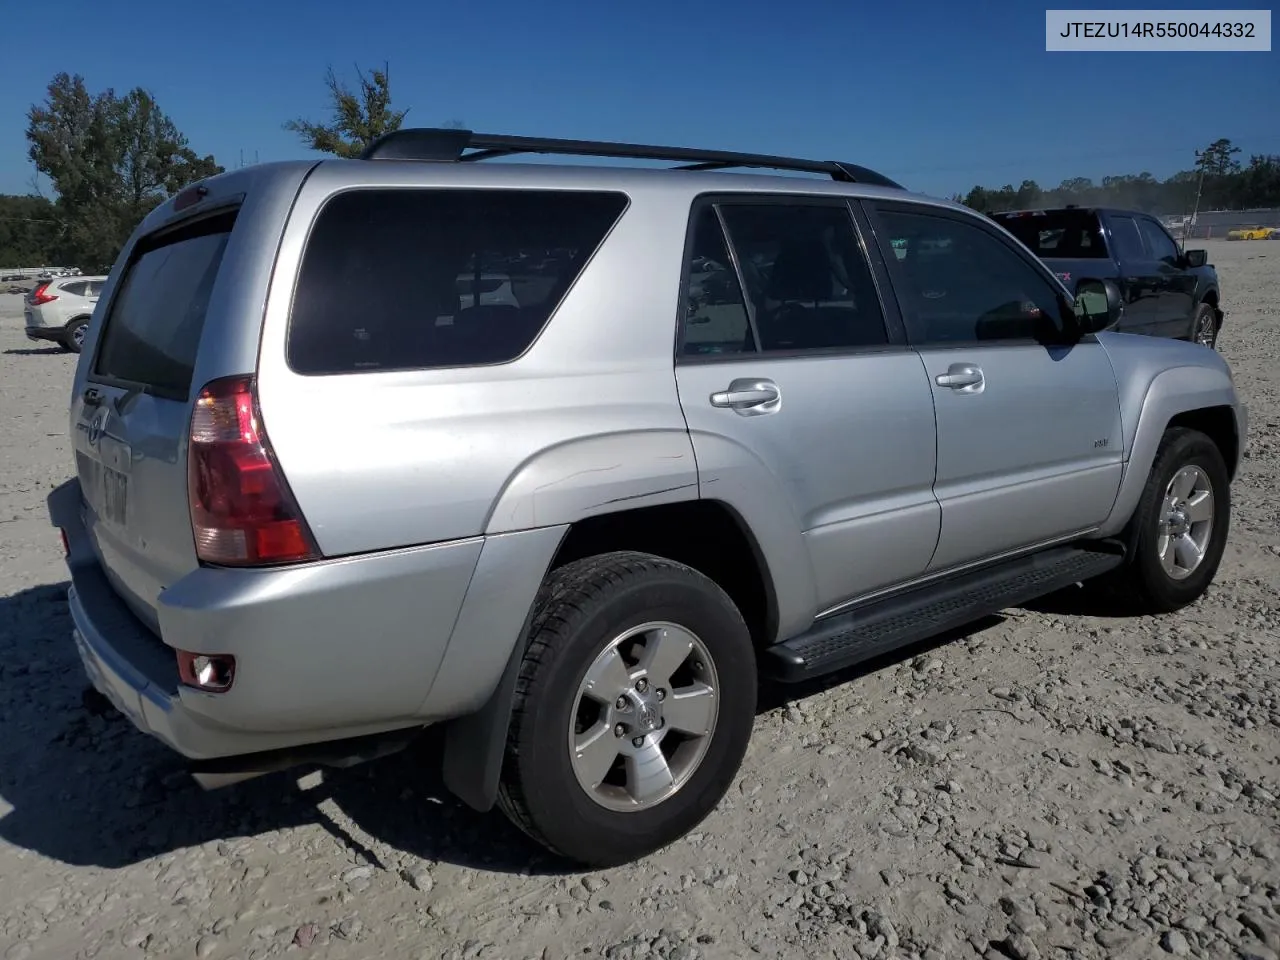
x=411, y=279
x=153, y=329
x=1064, y=234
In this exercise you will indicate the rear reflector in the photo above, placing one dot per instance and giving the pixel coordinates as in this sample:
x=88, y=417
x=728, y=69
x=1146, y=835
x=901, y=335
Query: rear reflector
x=242, y=513
x=214, y=672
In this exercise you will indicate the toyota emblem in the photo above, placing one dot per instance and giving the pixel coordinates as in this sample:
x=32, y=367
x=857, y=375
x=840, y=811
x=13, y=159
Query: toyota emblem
x=97, y=426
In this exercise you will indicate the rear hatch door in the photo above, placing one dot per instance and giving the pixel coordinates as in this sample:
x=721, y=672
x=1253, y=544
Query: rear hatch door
x=130, y=416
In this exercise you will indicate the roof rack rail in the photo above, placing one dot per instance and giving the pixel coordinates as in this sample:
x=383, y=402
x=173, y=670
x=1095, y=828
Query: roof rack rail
x=451, y=145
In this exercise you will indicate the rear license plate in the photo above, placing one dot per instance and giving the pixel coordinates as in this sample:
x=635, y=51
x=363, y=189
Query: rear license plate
x=115, y=496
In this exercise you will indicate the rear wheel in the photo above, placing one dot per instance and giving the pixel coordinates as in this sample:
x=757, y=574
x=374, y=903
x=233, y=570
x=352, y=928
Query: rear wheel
x=1179, y=530
x=1204, y=328
x=633, y=711
x=73, y=337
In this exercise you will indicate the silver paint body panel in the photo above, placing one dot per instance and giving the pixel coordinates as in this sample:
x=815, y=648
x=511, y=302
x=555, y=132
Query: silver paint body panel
x=441, y=496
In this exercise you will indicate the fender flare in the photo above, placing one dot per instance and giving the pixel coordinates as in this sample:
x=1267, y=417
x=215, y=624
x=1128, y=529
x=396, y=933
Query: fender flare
x=561, y=486
x=1173, y=392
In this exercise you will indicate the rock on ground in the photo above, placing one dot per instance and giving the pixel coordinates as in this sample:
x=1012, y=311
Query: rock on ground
x=1052, y=785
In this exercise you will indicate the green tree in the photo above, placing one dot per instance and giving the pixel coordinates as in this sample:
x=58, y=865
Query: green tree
x=357, y=117
x=1220, y=180
x=111, y=160
x=1218, y=159
x=1029, y=195
x=29, y=232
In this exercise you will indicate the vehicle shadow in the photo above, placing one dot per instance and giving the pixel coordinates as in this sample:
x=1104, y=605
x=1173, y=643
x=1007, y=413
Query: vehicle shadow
x=83, y=787
x=34, y=351
x=1076, y=602
x=86, y=788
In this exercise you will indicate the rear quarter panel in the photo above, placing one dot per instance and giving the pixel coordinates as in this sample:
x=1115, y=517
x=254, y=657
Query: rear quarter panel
x=586, y=418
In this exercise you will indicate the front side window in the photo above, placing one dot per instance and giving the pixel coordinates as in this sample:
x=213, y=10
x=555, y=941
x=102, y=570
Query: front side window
x=957, y=283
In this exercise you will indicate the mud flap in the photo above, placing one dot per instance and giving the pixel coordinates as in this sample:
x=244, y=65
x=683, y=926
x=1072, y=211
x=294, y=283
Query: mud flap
x=474, y=744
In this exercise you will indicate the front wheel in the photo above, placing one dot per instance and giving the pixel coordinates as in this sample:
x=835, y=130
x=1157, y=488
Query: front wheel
x=1179, y=530
x=633, y=708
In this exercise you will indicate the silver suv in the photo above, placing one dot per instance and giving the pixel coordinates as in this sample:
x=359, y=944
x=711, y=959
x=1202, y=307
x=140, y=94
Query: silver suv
x=724, y=426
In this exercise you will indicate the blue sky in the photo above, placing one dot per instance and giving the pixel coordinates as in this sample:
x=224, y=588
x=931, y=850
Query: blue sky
x=937, y=95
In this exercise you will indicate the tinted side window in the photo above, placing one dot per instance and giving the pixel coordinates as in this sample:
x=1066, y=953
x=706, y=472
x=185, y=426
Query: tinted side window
x=715, y=319
x=153, y=330
x=1126, y=239
x=411, y=279
x=1158, y=242
x=807, y=282
x=75, y=289
x=957, y=283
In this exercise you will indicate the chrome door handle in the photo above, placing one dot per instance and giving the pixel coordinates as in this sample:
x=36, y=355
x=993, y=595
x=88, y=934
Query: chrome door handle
x=960, y=376
x=746, y=394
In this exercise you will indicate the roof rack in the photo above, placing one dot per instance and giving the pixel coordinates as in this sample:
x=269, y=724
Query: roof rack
x=451, y=145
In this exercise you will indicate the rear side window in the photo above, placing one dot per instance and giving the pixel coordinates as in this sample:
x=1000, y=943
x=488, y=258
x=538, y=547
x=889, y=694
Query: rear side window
x=1158, y=242
x=152, y=331
x=801, y=282
x=75, y=289
x=1064, y=234
x=1127, y=239
x=413, y=279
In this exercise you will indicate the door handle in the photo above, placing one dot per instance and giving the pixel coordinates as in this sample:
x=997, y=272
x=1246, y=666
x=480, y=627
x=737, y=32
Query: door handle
x=756, y=396
x=961, y=376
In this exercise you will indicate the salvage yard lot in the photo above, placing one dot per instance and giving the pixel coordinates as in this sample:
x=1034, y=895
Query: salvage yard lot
x=1048, y=785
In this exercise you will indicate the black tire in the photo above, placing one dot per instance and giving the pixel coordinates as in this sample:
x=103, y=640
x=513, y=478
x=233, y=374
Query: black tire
x=579, y=610
x=1205, y=319
x=68, y=340
x=1142, y=583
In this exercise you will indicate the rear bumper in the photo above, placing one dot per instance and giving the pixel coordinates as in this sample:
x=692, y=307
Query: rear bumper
x=324, y=651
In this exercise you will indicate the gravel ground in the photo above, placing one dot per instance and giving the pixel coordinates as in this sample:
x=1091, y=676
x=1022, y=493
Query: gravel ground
x=1048, y=785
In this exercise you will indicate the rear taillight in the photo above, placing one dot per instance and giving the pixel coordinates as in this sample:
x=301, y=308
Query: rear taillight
x=242, y=513
x=41, y=295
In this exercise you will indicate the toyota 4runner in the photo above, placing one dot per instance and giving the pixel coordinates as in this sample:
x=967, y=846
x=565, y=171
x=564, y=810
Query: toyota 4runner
x=330, y=489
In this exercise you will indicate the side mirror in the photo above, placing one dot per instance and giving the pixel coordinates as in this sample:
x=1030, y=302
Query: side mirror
x=1195, y=258
x=1099, y=305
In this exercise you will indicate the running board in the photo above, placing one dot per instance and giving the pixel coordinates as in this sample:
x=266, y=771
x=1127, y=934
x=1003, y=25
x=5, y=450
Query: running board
x=879, y=626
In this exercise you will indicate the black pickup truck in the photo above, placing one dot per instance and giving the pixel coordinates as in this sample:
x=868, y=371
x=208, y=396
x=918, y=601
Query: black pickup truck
x=1167, y=291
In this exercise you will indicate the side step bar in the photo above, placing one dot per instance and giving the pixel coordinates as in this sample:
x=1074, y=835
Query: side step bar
x=879, y=626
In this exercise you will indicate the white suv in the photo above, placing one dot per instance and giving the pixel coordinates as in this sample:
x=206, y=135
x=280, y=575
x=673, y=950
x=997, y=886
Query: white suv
x=59, y=310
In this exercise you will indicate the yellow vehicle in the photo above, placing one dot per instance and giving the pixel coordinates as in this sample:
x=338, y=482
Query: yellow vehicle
x=1252, y=233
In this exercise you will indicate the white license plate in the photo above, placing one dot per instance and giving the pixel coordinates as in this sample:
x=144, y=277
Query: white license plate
x=115, y=496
